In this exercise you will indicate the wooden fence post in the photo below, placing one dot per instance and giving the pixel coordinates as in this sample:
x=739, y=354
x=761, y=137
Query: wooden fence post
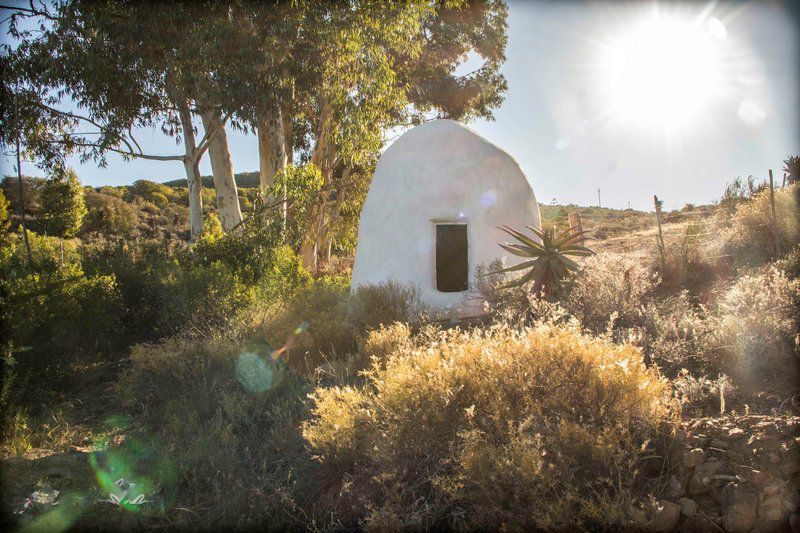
x=774, y=217
x=576, y=225
x=657, y=205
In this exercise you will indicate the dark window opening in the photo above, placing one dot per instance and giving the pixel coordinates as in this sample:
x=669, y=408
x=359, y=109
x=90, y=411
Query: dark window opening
x=451, y=257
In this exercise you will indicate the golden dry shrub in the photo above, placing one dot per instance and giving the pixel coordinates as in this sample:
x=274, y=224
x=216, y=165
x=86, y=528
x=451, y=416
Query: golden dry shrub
x=538, y=428
x=610, y=286
x=748, y=237
x=754, y=326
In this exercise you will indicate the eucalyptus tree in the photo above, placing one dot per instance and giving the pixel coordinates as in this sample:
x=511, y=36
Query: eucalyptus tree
x=93, y=72
x=370, y=69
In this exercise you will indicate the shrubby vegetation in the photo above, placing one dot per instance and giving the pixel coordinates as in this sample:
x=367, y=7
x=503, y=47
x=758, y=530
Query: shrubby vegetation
x=538, y=428
x=366, y=414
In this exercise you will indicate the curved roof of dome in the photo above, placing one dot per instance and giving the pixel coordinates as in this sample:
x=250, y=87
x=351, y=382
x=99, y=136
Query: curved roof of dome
x=429, y=132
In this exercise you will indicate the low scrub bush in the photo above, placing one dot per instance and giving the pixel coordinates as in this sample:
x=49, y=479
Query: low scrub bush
x=225, y=419
x=747, y=235
x=539, y=428
x=324, y=321
x=755, y=321
x=676, y=335
x=687, y=266
x=610, y=286
x=60, y=314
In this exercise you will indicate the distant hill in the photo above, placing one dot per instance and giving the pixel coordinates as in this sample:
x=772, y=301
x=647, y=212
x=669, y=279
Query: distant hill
x=243, y=179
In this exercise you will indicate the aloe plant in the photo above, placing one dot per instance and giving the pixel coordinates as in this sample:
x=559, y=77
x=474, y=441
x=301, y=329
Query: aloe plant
x=549, y=262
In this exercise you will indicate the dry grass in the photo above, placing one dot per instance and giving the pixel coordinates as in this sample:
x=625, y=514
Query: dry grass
x=537, y=428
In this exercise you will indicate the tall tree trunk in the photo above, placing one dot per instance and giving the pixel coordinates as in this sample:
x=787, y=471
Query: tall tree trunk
x=324, y=157
x=191, y=165
x=272, y=153
x=230, y=214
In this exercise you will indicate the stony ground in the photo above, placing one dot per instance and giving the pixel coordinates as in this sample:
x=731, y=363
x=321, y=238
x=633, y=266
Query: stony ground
x=733, y=473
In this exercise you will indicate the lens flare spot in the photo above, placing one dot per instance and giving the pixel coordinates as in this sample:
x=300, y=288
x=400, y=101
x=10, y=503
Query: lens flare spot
x=302, y=327
x=489, y=198
x=253, y=373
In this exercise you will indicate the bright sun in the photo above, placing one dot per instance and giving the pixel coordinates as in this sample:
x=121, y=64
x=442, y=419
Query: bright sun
x=662, y=73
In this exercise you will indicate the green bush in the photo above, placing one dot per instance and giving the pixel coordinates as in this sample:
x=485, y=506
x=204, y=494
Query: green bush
x=323, y=322
x=63, y=205
x=61, y=314
x=234, y=452
x=109, y=215
x=538, y=429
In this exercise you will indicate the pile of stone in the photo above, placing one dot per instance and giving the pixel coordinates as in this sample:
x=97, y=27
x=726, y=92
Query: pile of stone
x=735, y=473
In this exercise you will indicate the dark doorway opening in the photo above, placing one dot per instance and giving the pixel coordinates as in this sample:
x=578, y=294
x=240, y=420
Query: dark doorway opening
x=452, y=269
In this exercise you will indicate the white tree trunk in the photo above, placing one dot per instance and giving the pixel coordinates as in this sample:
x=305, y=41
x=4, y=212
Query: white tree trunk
x=324, y=157
x=230, y=214
x=195, y=198
x=191, y=165
x=272, y=152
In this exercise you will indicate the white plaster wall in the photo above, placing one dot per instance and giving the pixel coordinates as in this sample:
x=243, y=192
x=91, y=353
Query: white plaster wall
x=440, y=171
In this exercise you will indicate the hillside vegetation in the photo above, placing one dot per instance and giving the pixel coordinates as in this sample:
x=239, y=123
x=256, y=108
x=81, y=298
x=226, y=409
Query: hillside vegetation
x=230, y=387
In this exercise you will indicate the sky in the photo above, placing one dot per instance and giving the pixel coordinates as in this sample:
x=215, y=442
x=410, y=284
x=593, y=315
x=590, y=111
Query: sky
x=631, y=98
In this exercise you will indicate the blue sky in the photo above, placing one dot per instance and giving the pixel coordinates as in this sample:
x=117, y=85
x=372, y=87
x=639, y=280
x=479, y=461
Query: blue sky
x=573, y=134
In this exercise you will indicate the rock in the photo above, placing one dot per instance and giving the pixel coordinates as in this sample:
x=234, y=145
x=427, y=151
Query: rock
x=665, y=517
x=770, y=509
x=773, y=489
x=719, y=444
x=774, y=458
x=688, y=506
x=740, y=506
x=694, y=457
x=736, y=433
x=675, y=489
x=701, y=479
x=794, y=523
x=759, y=478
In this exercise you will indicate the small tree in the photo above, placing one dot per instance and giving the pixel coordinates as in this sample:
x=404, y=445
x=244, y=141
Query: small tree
x=63, y=206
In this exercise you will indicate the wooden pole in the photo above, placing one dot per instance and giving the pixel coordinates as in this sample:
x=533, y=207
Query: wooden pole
x=774, y=217
x=657, y=205
x=576, y=225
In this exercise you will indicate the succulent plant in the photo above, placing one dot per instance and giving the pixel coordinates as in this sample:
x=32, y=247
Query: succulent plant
x=549, y=261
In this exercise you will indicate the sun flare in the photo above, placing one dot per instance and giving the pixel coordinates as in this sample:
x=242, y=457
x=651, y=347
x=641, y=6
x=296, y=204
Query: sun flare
x=663, y=72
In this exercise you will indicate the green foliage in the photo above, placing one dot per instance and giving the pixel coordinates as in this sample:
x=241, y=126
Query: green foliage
x=109, y=215
x=323, y=321
x=299, y=186
x=236, y=451
x=5, y=241
x=63, y=206
x=548, y=261
x=31, y=189
x=60, y=314
x=48, y=254
x=536, y=429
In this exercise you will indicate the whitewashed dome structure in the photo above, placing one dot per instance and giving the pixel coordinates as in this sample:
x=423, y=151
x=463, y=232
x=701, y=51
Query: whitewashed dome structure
x=431, y=214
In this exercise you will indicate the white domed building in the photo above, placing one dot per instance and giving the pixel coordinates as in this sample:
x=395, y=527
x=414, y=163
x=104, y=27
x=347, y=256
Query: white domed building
x=431, y=214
